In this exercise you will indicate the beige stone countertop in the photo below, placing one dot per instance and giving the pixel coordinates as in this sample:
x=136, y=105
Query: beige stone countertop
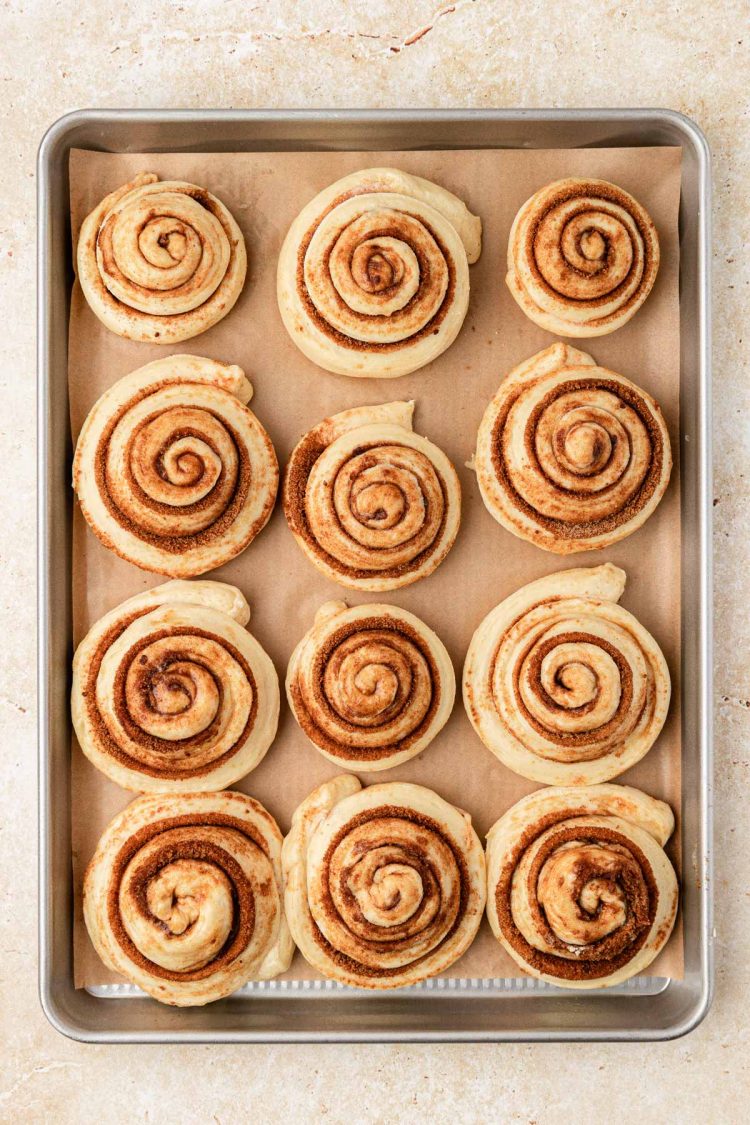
x=57, y=56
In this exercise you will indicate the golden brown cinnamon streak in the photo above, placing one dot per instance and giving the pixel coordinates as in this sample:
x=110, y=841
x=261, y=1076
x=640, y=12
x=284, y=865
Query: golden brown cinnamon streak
x=562, y=684
x=370, y=685
x=160, y=260
x=384, y=886
x=373, y=276
x=184, y=896
x=583, y=256
x=571, y=456
x=171, y=693
x=372, y=504
x=173, y=471
x=579, y=890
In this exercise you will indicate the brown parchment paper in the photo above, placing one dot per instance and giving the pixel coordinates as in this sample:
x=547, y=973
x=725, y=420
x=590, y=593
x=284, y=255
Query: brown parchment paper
x=265, y=191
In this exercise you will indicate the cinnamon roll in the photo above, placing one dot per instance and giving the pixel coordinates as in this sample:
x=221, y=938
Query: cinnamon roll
x=384, y=886
x=173, y=472
x=373, y=505
x=579, y=890
x=370, y=686
x=160, y=260
x=582, y=257
x=184, y=896
x=373, y=276
x=563, y=684
x=171, y=693
x=569, y=455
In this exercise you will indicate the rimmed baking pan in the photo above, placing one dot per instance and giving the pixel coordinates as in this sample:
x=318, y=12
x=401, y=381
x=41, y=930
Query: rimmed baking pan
x=441, y=1010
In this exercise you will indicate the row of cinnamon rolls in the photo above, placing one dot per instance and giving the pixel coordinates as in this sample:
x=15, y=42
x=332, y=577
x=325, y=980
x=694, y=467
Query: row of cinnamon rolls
x=192, y=896
x=373, y=276
x=176, y=474
x=171, y=693
x=190, y=893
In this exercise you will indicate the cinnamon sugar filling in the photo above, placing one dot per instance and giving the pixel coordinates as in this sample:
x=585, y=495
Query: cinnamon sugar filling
x=295, y=483
x=571, y=528
x=390, y=629
x=430, y=328
x=120, y=703
x=218, y=528
x=243, y=897
x=410, y=817
x=599, y=196
x=102, y=241
x=573, y=738
x=638, y=887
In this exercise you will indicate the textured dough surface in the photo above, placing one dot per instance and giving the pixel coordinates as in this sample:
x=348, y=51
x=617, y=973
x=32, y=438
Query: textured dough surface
x=579, y=890
x=173, y=471
x=583, y=255
x=373, y=505
x=563, y=684
x=171, y=693
x=160, y=261
x=571, y=456
x=184, y=896
x=370, y=685
x=384, y=886
x=373, y=275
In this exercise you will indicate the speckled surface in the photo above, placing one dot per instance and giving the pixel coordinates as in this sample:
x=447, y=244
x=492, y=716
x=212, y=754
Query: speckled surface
x=691, y=56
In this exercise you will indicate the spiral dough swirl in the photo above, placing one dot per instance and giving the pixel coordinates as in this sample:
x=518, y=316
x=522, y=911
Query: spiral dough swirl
x=370, y=686
x=569, y=455
x=564, y=685
x=373, y=276
x=171, y=693
x=384, y=886
x=582, y=257
x=580, y=891
x=372, y=504
x=173, y=471
x=183, y=896
x=160, y=261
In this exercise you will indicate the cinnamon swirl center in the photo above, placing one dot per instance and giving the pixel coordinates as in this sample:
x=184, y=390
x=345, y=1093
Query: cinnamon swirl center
x=373, y=276
x=162, y=252
x=577, y=898
x=383, y=509
x=391, y=891
x=372, y=688
x=578, y=456
x=176, y=704
x=186, y=895
x=175, y=475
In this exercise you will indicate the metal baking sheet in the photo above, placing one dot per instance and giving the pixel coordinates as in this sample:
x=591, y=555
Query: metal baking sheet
x=441, y=1010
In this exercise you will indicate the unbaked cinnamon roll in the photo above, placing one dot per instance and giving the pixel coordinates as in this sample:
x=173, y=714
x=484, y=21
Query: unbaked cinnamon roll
x=370, y=686
x=373, y=276
x=173, y=472
x=563, y=684
x=171, y=693
x=373, y=505
x=579, y=890
x=569, y=455
x=384, y=886
x=160, y=260
x=184, y=896
x=582, y=257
